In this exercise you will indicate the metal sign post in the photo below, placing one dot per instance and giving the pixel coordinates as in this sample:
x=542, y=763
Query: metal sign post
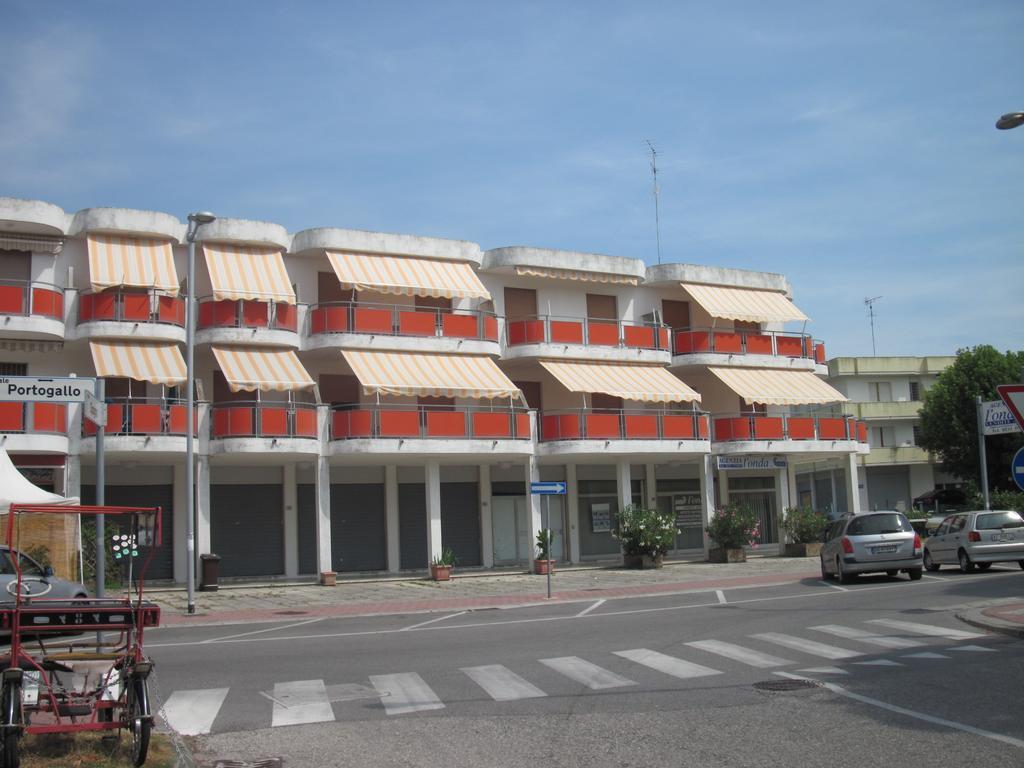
x=548, y=489
x=981, y=450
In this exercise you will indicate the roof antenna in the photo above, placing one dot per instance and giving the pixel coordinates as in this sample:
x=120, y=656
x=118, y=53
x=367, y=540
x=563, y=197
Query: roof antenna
x=657, y=216
x=871, y=313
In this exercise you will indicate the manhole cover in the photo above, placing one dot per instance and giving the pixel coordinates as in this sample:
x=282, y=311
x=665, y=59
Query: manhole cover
x=781, y=686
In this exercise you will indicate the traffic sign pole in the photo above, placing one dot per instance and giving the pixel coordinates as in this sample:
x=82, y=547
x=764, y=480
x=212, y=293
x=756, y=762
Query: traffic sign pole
x=981, y=450
x=547, y=536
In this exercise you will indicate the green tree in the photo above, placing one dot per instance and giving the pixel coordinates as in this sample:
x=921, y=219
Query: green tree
x=949, y=421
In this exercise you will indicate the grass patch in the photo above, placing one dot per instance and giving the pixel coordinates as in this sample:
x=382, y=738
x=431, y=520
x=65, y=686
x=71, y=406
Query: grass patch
x=92, y=750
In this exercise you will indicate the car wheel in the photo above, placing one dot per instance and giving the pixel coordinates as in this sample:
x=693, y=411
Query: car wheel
x=929, y=564
x=966, y=566
x=843, y=576
x=914, y=574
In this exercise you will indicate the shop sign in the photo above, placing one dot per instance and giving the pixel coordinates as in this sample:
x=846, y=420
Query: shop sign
x=752, y=462
x=600, y=518
x=688, y=511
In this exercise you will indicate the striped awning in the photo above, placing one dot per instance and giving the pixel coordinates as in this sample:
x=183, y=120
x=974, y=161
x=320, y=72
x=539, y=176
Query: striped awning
x=648, y=383
x=429, y=375
x=744, y=304
x=407, y=276
x=160, y=363
x=778, y=387
x=252, y=368
x=575, y=274
x=39, y=244
x=248, y=272
x=116, y=260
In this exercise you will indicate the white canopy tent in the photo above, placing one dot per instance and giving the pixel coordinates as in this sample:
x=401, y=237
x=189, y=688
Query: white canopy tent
x=15, y=488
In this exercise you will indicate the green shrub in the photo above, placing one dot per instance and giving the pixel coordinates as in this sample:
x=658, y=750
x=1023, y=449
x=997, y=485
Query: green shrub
x=804, y=525
x=645, y=531
x=734, y=526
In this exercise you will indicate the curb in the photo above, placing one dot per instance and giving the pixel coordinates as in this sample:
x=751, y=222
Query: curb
x=977, y=618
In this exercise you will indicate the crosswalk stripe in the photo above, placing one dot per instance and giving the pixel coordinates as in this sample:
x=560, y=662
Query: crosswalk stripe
x=594, y=677
x=879, y=663
x=502, y=684
x=192, y=713
x=850, y=633
x=972, y=648
x=808, y=646
x=926, y=629
x=824, y=671
x=301, y=701
x=925, y=655
x=739, y=653
x=405, y=692
x=670, y=665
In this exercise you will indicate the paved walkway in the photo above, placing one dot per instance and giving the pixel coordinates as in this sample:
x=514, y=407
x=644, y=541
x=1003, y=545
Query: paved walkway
x=1004, y=616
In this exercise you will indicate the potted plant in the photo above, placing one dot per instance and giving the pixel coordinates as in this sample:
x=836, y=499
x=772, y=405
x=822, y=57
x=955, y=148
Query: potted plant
x=441, y=566
x=646, y=535
x=732, y=528
x=804, y=526
x=328, y=578
x=544, y=562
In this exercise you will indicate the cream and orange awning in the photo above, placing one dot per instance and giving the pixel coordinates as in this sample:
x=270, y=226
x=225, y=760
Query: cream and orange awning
x=647, y=383
x=248, y=272
x=160, y=363
x=139, y=262
x=429, y=375
x=407, y=276
x=744, y=304
x=778, y=387
x=575, y=274
x=252, y=368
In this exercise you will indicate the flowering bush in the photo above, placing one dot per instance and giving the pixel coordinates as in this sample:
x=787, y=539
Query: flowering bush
x=645, y=531
x=734, y=526
x=804, y=525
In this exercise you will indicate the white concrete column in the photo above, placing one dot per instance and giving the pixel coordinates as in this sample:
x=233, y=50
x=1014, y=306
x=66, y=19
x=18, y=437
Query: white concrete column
x=433, y=488
x=486, y=537
x=72, y=476
x=202, y=507
x=322, y=497
x=625, y=483
x=723, y=487
x=391, y=518
x=291, y=520
x=852, y=492
x=781, y=501
x=835, y=496
x=651, y=483
x=179, y=500
x=534, y=503
x=790, y=497
x=572, y=503
x=707, y=496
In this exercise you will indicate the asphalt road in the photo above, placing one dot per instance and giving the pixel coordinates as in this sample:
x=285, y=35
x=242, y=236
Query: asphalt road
x=896, y=680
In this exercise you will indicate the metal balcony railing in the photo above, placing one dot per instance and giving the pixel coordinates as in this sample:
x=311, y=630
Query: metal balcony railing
x=27, y=298
x=34, y=418
x=131, y=307
x=263, y=419
x=430, y=422
x=402, y=320
x=690, y=341
x=551, y=329
x=247, y=313
x=745, y=426
x=622, y=424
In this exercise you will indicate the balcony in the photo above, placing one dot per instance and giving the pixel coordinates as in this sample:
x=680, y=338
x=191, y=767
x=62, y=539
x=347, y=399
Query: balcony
x=153, y=425
x=247, y=321
x=37, y=427
x=633, y=430
x=132, y=314
x=31, y=309
x=552, y=336
x=412, y=429
x=786, y=433
x=901, y=454
x=905, y=409
x=706, y=346
x=280, y=427
x=402, y=327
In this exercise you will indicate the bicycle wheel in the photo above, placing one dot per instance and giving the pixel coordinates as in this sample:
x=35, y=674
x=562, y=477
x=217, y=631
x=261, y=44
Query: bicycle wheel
x=10, y=707
x=139, y=721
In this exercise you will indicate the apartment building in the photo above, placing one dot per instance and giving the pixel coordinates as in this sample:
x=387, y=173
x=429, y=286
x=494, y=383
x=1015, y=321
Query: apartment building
x=886, y=393
x=366, y=400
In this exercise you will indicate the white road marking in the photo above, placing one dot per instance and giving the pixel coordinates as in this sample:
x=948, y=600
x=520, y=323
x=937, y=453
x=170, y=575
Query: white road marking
x=405, y=692
x=972, y=648
x=301, y=701
x=833, y=586
x=432, y=621
x=670, y=665
x=879, y=663
x=594, y=677
x=589, y=608
x=502, y=684
x=864, y=636
x=925, y=655
x=192, y=713
x=808, y=646
x=739, y=653
x=261, y=631
x=825, y=671
x=721, y=596
x=838, y=689
x=927, y=629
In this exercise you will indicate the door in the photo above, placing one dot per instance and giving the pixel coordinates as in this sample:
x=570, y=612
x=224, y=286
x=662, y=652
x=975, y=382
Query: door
x=505, y=516
x=601, y=306
x=247, y=529
x=520, y=304
x=689, y=515
x=675, y=314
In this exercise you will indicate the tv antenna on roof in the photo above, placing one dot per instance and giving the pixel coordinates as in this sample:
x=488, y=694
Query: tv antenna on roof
x=654, y=172
x=871, y=313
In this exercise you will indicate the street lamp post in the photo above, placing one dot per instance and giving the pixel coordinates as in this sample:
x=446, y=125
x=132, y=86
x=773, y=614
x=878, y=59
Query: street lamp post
x=195, y=221
x=1010, y=120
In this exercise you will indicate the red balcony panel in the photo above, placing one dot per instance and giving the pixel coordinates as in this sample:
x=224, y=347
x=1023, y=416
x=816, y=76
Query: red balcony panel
x=171, y=309
x=759, y=344
x=12, y=417
x=287, y=316
x=663, y=338
x=862, y=432
x=677, y=426
x=147, y=419
x=638, y=336
x=801, y=428
x=736, y=428
x=231, y=422
x=446, y=423
x=689, y=342
x=417, y=323
x=560, y=427
x=728, y=343
x=317, y=320
x=819, y=354
x=490, y=328
x=523, y=425
x=48, y=303
x=641, y=426
x=115, y=419
x=221, y=423
x=492, y=424
x=372, y=320
x=768, y=427
x=135, y=307
x=255, y=314
x=526, y=332
x=602, y=425
x=352, y=424
x=460, y=326
x=399, y=424
x=49, y=417
x=330, y=320
x=602, y=334
x=274, y=422
x=790, y=346
x=218, y=314
x=702, y=427
x=12, y=300
x=177, y=419
x=566, y=332
x=103, y=307
x=205, y=314
x=305, y=422
x=832, y=429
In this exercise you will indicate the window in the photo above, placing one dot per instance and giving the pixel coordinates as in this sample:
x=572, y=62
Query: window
x=866, y=525
x=998, y=521
x=880, y=392
x=601, y=306
x=883, y=437
x=917, y=434
x=915, y=390
x=13, y=369
x=29, y=567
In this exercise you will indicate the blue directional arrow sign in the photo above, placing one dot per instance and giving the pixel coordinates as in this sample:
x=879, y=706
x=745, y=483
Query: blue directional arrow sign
x=1017, y=469
x=547, y=489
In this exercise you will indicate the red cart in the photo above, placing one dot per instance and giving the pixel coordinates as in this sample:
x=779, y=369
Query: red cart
x=77, y=664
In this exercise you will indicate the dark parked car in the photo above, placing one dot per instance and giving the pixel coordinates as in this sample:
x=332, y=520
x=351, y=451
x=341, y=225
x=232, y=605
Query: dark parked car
x=940, y=501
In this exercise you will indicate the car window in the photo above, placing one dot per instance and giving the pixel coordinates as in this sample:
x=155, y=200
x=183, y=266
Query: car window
x=866, y=525
x=29, y=567
x=958, y=523
x=6, y=564
x=943, y=528
x=997, y=520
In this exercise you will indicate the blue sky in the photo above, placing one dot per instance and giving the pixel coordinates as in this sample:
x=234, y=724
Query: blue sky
x=849, y=146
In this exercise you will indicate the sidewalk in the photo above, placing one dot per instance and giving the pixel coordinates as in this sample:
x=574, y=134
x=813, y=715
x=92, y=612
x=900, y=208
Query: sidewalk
x=1003, y=616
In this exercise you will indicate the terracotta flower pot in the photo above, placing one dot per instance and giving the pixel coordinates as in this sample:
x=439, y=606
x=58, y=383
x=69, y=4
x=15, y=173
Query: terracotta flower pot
x=328, y=578
x=810, y=549
x=643, y=561
x=543, y=566
x=441, y=572
x=730, y=555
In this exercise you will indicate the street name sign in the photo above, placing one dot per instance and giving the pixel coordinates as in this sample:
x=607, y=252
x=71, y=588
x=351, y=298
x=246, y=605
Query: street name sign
x=547, y=489
x=1013, y=396
x=998, y=420
x=1017, y=468
x=38, y=389
x=94, y=410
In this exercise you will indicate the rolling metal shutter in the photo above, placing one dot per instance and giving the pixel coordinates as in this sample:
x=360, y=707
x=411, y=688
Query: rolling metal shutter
x=412, y=525
x=161, y=496
x=460, y=521
x=888, y=488
x=306, y=500
x=358, y=528
x=247, y=529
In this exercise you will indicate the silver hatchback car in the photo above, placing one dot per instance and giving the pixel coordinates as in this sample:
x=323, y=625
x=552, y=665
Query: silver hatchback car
x=871, y=542
x=976, y=540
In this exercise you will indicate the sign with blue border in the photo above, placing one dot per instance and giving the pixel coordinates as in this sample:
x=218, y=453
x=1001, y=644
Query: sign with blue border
x=1017, y=469
x=547, y=489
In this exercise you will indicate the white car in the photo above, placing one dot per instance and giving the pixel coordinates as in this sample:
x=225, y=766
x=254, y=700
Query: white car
x=976, y=540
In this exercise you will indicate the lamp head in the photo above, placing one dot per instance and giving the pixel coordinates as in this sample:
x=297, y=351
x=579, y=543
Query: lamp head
x=201, y=217
x=1010, y=120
